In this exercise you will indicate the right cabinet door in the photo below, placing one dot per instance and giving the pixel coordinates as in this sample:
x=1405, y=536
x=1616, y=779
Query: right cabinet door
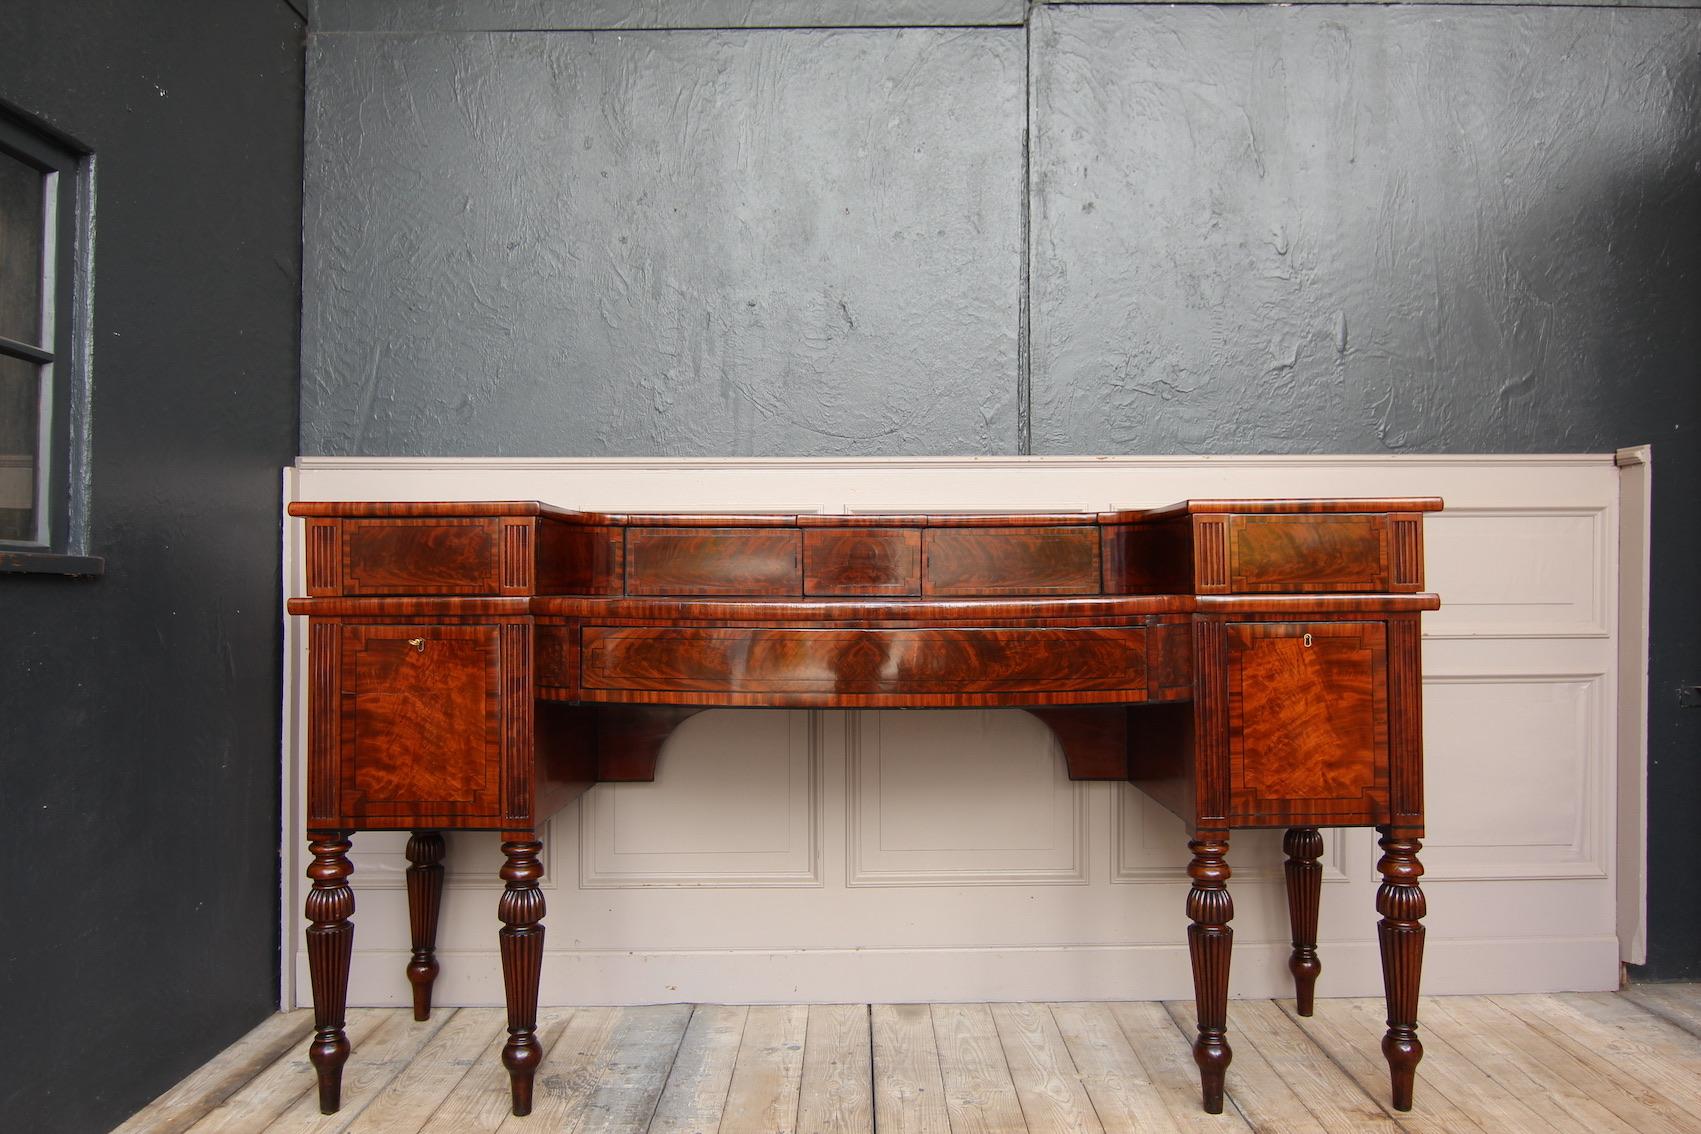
x=1308, y=723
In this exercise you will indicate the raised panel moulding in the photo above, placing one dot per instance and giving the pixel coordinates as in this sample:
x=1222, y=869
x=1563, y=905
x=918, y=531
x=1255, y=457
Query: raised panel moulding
x=736, y=803
x=1542, y=740
x=1532, y=572
x=1526, y=684
x=998, y=810
x=1148, y=845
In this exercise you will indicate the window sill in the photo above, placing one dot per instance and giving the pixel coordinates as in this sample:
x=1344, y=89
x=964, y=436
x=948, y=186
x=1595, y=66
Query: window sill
x=50, y=563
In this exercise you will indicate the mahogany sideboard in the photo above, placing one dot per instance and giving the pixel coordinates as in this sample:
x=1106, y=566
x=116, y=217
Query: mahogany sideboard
x=1248, y=663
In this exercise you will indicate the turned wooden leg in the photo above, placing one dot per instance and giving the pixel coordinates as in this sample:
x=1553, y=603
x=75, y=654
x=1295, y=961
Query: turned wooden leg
x=425, y=898
x=330, y=942
x=1209, y=940
x=521, y=909
x=1400, y=901
x=1304, y=846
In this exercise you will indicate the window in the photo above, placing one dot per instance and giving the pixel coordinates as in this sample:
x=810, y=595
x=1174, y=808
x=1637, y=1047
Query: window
x=44, y=249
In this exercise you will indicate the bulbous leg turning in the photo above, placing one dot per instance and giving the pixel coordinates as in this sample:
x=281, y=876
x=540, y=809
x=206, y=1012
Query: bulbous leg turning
x=521, y=939
x=330, y=944
x=1209, y=941
x=1304, y=846
x=1401, y=903
x=425, y=898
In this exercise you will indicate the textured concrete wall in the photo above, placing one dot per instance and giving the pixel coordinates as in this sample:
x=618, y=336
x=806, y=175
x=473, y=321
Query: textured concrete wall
x=1359, y=230
x=1240, y=229
x=681, y=243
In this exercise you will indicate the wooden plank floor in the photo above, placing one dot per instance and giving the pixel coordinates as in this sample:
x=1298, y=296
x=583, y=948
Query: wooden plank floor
x=1561, y=1064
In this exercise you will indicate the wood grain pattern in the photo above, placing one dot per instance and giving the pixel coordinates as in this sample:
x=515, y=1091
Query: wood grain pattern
x=324, y=557
x=1210, y=940
x=862, y=561
x=942, y=662
x=1094, y=739
x=713, y=561
x=1011, y=561
x=330, y=945
x=836, y=1094
x=517, y=562
x=399, y=700
x=481, y=664
x=1400, y=933
x=1307, y=553
x=1210, y=555
x=1405, y=556
x=521, y=943
x=573, y=559
x=1304, y=875
x=980, y=1096
x=1148, y=559
x=1308, y=722
x=421, y=557
x=424, y=853
x=909, y=1094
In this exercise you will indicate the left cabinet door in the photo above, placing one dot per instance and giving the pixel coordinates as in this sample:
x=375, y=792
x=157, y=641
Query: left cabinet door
x=408, y=724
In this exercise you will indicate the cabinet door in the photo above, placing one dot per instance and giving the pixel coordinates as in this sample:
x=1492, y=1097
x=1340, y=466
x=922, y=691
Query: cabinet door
x=419, y=729
x=1308, y=723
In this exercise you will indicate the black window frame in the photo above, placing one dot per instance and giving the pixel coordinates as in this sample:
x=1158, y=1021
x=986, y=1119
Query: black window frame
x=61, y=543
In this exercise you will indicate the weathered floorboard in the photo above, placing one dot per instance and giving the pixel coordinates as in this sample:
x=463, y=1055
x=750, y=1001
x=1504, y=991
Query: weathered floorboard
x=1524, y=1064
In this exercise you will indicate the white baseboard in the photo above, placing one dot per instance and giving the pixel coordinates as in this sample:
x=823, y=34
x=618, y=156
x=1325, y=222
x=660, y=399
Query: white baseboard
x=891, y=976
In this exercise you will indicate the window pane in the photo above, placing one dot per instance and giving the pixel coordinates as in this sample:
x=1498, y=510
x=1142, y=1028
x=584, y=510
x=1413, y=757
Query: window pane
x=22, y=220
x=20, y=442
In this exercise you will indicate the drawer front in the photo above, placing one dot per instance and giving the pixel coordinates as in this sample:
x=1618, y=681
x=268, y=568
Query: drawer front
x=823, y=664
x=1269, y=554
x=862, y=561
x=1011, y=561
x=1308, y=722
x=419, y=722
x=421, y=557
x=713, y=561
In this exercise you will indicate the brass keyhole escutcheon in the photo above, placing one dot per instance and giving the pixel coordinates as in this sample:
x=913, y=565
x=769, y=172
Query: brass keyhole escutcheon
x=419, y=643
x=1306, y=639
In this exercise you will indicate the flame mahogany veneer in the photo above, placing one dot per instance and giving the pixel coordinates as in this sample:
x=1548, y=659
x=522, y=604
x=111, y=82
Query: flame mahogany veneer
x=1248, y=663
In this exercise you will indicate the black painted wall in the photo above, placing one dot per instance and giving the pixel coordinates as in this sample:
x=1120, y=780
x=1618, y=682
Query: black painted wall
x=139, y=711
x=1094, y=228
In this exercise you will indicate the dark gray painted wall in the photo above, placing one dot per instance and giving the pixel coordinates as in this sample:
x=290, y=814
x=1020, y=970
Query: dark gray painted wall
x=139, y=711
x=664, y=242
x=1288, y=229
x=1376, y=229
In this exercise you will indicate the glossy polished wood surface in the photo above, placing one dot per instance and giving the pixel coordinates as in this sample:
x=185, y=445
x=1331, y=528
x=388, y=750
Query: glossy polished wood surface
x=1247, y=663
x=800, y=666
x=1308, y=722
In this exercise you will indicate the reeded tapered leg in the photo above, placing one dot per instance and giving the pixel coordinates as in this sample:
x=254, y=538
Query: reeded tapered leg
x=1209, y=941
x=1303, y=846
x=425, y=897
x=1400, y=901
x=521, y=909
x=330, y=943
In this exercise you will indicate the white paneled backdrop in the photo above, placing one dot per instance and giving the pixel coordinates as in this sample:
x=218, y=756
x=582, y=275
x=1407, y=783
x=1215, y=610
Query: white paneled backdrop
x=935, y=856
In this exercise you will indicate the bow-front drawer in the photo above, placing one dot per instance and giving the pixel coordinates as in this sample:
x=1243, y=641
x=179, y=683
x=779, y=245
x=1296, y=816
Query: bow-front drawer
x=806, y=666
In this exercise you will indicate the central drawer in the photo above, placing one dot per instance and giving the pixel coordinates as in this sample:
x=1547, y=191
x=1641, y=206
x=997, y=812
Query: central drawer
x=914, y=660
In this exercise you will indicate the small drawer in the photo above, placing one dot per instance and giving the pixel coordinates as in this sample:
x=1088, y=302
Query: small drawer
x=421, y=557
x=1269, y=554
x=1011, y=561
x=713, y=561
x=862, y=561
